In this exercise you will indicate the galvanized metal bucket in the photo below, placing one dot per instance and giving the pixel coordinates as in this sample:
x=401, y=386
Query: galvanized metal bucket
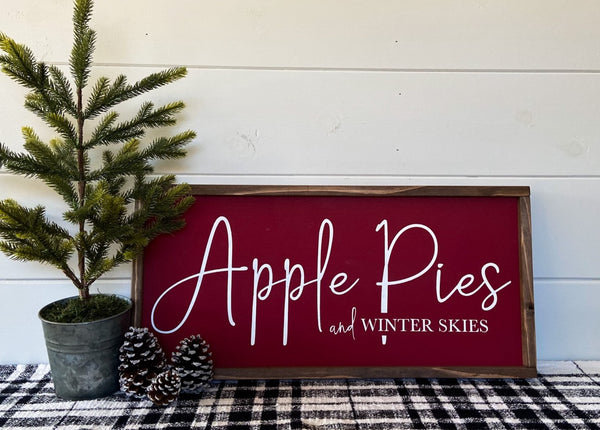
x=84, y=357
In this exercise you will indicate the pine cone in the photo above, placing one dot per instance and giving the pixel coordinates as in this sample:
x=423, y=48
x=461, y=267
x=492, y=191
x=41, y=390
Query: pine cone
x=141, y=359
x=192, y=360
x=164, y=389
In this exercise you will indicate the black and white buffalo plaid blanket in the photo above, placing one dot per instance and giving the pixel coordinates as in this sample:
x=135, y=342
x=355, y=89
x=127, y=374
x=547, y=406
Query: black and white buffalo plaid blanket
x=551, y=401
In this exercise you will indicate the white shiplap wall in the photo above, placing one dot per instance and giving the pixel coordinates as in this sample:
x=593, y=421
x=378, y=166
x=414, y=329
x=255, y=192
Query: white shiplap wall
x=469, y=92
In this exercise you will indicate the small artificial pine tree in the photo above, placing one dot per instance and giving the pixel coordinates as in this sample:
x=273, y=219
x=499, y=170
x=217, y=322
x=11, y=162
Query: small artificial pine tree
x=100, y=191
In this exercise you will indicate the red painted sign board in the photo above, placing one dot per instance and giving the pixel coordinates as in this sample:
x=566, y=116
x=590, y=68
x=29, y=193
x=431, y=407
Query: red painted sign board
x=357, y=281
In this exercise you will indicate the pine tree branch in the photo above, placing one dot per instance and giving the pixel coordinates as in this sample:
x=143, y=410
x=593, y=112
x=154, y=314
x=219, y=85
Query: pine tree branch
x=28, y=235
x=63, y=126
x=147, y=117
x=102, y=90
x=72, y=276
x=162, y=204
x=44, y=167
x=58, y=162
x=120, y=91
x=52, y=175
x=83, y=43
x=37, y=104
x=61, y=91
x=106, y=134
x=126, y=162
x=19, y=63
x=103, y=129
x=109, y=233
x=81, y=168
x=169, y=147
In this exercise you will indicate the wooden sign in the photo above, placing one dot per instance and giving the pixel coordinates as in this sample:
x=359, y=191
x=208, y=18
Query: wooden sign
x=296, y=282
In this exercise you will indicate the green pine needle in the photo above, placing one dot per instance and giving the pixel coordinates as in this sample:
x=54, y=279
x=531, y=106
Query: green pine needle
x=99, y=172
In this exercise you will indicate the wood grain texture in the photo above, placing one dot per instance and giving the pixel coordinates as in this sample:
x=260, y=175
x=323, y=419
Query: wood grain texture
x=380, y=191
x=412, y=34
x=375, y=372
x=526, y=271
x=286, y=123
x=528, y=340
x=397, y=92
x=137, y=279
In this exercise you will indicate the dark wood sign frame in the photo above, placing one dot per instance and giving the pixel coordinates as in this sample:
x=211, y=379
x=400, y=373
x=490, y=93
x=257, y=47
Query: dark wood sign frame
x=521, y=194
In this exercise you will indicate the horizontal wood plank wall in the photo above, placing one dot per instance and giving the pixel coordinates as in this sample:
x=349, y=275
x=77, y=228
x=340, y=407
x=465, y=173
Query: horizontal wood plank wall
x=373, y=123
x=315, y=92
x=390, y=34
